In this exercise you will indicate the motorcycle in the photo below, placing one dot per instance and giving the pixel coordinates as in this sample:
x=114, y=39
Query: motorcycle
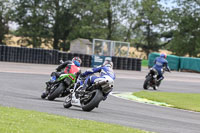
x=152, y=79
x=60, y=87
x=92, y=96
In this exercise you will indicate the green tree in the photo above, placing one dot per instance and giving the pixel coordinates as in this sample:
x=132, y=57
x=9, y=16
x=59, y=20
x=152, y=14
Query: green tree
x=149, y=26
x=99, y=19
x=186, y=40
x=4, y=19
x=61, y=21
x=44, y=21
x=32, y=21
x=90, y=23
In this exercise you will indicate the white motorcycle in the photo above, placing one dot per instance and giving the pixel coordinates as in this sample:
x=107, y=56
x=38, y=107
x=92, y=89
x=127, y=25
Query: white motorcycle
x=92, y=96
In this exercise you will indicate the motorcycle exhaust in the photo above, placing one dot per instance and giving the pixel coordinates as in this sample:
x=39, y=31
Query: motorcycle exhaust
x=102, y=82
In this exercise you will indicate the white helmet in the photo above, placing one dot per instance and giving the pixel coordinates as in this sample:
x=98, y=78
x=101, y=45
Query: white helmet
x=108, y=63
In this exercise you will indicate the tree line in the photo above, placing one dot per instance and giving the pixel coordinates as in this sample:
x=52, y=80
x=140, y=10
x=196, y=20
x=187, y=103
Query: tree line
x=148, y=25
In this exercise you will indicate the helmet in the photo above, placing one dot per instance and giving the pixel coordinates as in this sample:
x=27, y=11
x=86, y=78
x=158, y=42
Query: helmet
x=108, y=63
x=77, y=61
x=163, y=55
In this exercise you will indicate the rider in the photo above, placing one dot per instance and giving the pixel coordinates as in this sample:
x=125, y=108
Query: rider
x=105, y=70
x=159, y=63
x=70, y=66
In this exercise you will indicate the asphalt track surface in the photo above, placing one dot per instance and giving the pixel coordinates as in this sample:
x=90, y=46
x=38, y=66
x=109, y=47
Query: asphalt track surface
x=22, y=84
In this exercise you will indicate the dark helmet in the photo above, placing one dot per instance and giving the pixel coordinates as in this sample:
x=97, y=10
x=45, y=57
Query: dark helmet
x=108, y=63
x=163, y=55
x=77, y=61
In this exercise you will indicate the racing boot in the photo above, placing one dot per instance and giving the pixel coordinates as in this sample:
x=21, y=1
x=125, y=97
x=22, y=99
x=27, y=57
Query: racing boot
x=155, y=87
x=85, y=86
x=158, y=83
x=83, y=89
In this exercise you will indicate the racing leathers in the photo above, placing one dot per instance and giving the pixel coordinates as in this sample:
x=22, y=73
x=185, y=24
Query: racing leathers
x=105, y=72
x=68, y=66
x=159, y=63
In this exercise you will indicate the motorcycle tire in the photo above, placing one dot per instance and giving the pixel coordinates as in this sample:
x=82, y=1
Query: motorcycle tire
x=146, y=83
x=56, y=92
x=93, y=102
x=67, y=102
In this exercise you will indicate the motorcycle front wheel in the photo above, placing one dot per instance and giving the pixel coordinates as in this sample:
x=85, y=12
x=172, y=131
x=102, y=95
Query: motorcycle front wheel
x=55, y=93
x=67, y=102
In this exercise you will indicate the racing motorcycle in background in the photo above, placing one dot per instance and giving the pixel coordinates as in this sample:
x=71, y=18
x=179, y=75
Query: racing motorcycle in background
x=60, y=87
x=151, y=79
x=92, y=96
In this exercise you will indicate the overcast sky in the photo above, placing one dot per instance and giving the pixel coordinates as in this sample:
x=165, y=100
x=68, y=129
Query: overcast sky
x=168, y=3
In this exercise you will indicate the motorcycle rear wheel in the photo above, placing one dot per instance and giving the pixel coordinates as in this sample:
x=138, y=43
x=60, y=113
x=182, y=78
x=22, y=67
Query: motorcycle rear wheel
x=96, y=97
x=146, y=83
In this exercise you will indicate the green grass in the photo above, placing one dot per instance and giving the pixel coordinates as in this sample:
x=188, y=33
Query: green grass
x=14, y=120
x=145, y=63
x=188, y=101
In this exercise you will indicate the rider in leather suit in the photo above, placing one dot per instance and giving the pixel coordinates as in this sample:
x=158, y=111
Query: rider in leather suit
x=104, y=70
x=72, y=66
x=159, y=63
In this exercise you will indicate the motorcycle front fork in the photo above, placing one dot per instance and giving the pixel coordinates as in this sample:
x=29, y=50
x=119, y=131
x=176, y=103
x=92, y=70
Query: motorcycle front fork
x=48, y=87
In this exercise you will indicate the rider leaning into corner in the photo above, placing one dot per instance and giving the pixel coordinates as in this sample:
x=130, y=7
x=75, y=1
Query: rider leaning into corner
x=70, y=66
x=106, y=71
x=159, y=63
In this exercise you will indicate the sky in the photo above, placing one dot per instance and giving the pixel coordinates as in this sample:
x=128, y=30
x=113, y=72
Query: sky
x=168, y=3
x=13, y=25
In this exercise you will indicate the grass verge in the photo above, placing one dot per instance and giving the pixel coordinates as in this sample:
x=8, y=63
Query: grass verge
x=14, y=120
x=188, y=101
x=145, y=63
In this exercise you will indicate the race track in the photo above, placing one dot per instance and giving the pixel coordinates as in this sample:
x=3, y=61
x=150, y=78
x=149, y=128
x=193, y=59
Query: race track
x=22, y=84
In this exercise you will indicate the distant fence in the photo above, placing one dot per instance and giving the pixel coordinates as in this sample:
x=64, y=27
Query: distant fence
x=192, y=64
x=124, y=63
x=28, y=55
x=43, y=56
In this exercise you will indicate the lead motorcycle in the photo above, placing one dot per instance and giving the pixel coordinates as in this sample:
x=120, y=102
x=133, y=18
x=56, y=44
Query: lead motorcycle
x=60, y=87
x=91, y=97
x=152, y=78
